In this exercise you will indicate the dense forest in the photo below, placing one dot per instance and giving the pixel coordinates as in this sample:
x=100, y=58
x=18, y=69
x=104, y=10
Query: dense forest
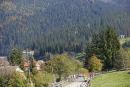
x=58, y=25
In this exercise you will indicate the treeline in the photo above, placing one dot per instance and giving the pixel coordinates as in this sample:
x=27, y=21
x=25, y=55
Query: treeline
x=53, y=26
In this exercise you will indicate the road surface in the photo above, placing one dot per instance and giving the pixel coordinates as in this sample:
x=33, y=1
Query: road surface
x=77, y=83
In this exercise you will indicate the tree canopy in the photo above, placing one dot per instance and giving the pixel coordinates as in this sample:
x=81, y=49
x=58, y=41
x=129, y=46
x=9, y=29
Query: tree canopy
x=62, y=65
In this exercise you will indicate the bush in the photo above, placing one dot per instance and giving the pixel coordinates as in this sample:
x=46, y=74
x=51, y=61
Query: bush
x=43, y=79
x=94, y=64
x=17, y=80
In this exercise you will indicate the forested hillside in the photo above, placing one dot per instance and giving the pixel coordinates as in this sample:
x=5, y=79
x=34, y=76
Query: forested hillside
x=58, y=25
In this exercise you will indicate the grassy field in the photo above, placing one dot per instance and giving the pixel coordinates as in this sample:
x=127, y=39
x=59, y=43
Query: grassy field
x=115, y=79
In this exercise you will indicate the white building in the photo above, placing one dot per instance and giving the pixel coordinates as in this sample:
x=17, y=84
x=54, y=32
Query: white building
x=28, y=53
x=122, y=36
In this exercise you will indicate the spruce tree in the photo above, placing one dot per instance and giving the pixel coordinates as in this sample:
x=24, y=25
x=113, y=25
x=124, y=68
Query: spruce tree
x=105, y=45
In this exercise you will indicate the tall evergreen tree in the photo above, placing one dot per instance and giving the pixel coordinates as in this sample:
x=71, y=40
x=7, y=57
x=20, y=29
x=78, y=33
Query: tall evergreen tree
x=105, y=44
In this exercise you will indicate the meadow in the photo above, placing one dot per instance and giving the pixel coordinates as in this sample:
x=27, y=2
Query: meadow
x=114, y=79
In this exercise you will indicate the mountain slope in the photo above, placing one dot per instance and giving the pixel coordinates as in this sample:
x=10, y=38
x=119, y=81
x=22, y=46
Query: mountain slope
x=58, y=25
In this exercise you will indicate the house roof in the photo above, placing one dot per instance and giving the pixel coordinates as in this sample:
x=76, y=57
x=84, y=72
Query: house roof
x=8, y=70
x=26, y=64
x=4, y=63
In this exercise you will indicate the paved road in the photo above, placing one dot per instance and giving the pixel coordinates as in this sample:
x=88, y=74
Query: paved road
x=74, y=84
x=77, y=83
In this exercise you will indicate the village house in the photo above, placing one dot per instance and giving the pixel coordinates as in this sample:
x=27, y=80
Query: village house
x=27, y=56
x=8, y=70
x=26, y=65
x=28, y=53
x=39, y=65
x=28, y=59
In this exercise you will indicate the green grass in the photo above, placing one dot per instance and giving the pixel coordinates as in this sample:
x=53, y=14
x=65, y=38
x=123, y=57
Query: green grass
x=115, y=79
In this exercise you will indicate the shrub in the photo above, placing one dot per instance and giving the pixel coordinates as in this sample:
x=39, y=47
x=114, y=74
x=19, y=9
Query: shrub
x=43, y=79
x=94, y=64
